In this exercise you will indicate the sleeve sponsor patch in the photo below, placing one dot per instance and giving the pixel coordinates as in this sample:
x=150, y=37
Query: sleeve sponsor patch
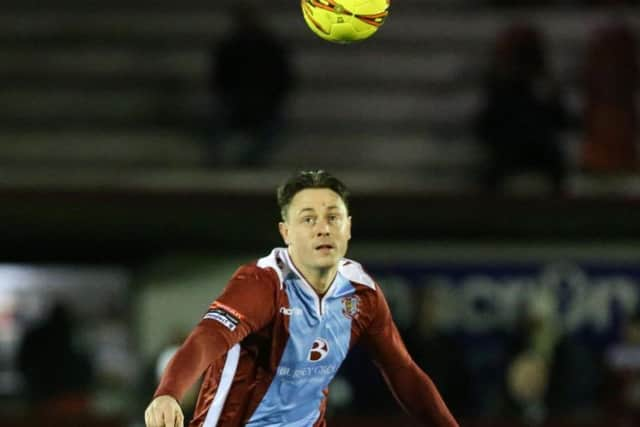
x=223, y=316
x=228, y=309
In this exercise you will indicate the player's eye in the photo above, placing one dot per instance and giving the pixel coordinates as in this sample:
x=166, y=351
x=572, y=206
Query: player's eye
x=309, y=220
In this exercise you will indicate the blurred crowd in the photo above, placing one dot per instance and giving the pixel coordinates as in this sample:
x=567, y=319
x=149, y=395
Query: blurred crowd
x=534, y=374
x=524, y=115
x=523, y=120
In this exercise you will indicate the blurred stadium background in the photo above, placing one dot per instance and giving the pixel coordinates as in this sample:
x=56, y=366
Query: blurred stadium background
x=524, y=306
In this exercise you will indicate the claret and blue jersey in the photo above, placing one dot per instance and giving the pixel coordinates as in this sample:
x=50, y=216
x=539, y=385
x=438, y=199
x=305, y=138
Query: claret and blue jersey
x=319, y=336
x=270, y=345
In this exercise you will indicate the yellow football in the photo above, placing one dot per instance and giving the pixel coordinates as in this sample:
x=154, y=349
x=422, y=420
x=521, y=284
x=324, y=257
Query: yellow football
x=345, y=21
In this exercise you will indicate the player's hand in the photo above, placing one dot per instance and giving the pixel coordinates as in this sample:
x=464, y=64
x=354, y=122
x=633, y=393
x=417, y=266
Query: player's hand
x=164, y=411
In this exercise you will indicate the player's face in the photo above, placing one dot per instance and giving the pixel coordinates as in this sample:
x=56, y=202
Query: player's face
x=317, y=228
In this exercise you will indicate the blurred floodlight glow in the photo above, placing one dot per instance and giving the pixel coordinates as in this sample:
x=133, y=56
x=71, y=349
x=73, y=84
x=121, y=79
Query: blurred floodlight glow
x=85, y=288
x=13, y=278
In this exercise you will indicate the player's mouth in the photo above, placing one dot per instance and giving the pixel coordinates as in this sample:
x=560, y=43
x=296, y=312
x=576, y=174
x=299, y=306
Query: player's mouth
x=325, y=247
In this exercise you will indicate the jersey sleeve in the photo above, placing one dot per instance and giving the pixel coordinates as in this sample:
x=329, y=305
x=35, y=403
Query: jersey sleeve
x=246, y=305
x=413, y=388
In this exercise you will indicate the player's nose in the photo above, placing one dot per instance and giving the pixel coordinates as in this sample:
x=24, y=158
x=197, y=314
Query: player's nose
x=322, y=228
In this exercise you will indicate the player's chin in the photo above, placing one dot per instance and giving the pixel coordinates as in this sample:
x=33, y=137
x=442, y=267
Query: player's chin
x=326, y=260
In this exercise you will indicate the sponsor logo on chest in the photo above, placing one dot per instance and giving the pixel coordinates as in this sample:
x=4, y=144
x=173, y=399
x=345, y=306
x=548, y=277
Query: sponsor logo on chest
x=319, y=350
x=291, y=311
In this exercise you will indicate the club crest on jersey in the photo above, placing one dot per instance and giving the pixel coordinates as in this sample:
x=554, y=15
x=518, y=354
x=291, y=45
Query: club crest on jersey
x=319, y=350
x=350, y=306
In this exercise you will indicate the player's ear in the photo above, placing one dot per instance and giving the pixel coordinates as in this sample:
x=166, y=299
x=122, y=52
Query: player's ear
x=284, y=231
x=348, y=228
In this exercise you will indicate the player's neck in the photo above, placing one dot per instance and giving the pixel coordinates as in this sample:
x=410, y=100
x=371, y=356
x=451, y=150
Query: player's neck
x=319, y=278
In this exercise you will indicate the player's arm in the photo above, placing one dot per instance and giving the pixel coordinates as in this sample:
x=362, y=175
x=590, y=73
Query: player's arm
x=242, y=309
x=413, y=389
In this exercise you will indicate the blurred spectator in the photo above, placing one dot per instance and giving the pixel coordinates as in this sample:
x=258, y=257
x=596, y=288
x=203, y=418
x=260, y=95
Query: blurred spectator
x=523, y=116
x=550, y=374
x=438, y=354
x=252, y=76
x=531, y=357
x=58, y=375
x=576, y=381
x=611, y=85
x=622, y=361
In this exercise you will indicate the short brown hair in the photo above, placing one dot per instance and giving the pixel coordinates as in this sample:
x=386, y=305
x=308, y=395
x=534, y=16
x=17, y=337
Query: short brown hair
x=309, y=179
